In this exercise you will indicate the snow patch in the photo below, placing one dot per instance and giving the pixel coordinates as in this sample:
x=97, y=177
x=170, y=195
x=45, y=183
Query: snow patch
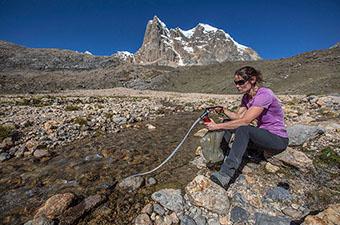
x=88, y=53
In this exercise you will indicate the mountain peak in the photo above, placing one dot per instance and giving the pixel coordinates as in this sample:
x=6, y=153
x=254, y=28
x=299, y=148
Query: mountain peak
x=203, y=44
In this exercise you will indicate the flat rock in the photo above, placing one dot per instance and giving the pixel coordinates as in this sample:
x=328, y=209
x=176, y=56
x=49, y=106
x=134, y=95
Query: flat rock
x=264, y=219
x=330, y=216
x=278, y=194
x=71, y=215
x=293, y=158
x=55, y=205
x=169, y=198
x=202, y=192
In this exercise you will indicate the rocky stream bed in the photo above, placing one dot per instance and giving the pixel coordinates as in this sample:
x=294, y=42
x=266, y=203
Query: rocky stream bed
x=64, y=158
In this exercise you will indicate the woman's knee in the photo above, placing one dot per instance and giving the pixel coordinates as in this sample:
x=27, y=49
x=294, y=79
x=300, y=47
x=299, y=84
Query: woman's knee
x=242, y=129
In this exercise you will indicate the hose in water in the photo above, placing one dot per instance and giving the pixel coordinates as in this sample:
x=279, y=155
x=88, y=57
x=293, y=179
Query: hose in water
x=171, y=155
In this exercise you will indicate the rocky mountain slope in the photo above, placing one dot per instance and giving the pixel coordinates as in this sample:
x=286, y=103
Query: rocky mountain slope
x=24, y=70
x=200, y=45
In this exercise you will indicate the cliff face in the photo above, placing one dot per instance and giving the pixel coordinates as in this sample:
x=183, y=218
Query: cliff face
x=201, y=45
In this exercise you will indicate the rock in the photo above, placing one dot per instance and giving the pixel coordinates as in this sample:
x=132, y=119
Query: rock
x=271, y=168
x=39, y=153
x=278, y=194
x=264, y=219
x=199, y=162
x=73, y=214
x=202, y=192
x=50, y=126
x=158, y=209
x=131, y=183
x=292, y=213
x=42, y=220
x=200, y=220
x=187, y=220
x=4, y=156
x=211, y=149
x=31, y=145
x=239, y=215
x=6, y=143
x=169, y=198
x=201, y=133
x=150, y=127
x=119, y=120
x=147, y=209
x=224, y=220
x=55, y=205
x=298, y=134
x=198, y=151
x=330, y=216
x=293, y=158
x=143, y=219
x=151, y=181
x=213, y=221
x=174, y=218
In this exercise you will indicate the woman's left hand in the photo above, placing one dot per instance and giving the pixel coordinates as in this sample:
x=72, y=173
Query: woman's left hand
x=211, y=125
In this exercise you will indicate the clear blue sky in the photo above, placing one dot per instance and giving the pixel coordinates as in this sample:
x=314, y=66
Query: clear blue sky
x=275, y=29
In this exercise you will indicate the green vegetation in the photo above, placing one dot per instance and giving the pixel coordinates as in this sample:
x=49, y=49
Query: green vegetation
x=329, y=156
x=80, y=120
x=72, y=108
x=5, y=131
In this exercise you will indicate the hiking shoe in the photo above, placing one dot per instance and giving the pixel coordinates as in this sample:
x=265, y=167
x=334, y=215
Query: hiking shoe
x=220, y=179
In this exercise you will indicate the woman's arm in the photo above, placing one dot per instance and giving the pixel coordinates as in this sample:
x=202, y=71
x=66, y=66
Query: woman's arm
x=248, y=116
x=235, y=115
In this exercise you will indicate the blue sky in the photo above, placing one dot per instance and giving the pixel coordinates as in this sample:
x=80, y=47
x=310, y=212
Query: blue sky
x=275, y=29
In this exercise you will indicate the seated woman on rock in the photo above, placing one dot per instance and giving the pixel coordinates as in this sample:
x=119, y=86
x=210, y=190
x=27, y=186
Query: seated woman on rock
x=258, y=103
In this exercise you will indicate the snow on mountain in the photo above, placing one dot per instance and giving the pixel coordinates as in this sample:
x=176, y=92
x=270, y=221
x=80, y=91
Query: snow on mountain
x=203, y=44
x=88, y=52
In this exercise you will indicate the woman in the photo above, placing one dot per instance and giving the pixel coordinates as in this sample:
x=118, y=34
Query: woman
x=258, y=103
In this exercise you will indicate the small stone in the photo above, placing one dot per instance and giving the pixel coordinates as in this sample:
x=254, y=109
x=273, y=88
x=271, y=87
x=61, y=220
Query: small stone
x=143, y=219
x=4, y=156
x=158, y=209
x=271, y=168
x=147, y=209
x=151, y=181
x=246, y=170
x=187, y=220
x=224, y=220
x=174, y=218
x=39, y=153
x=293, y=213
x=150, y=127
x=238, y=215
x=249, y=179
x=131, y=183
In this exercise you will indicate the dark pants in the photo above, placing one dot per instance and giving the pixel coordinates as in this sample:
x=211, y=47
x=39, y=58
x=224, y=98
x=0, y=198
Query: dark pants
x=246, y=136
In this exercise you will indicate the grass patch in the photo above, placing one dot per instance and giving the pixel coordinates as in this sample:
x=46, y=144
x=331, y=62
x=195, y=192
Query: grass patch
x=5, y=131
x=72, y=108
x=80, y=120
x=329, y=156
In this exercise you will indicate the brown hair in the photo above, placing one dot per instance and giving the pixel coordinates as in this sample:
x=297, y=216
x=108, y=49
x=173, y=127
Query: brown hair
x=248, y=72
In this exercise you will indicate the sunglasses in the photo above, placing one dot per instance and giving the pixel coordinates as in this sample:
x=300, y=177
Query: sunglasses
x=240, y=82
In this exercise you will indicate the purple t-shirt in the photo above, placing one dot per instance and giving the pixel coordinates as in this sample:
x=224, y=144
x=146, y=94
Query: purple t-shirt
x=272, y=117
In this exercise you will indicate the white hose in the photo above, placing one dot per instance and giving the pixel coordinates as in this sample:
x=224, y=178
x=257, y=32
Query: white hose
x=170, y=156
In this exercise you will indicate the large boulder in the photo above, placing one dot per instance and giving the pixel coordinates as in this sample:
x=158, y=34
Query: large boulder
x=211, y=149
x=202, y=192
x=298, y=134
